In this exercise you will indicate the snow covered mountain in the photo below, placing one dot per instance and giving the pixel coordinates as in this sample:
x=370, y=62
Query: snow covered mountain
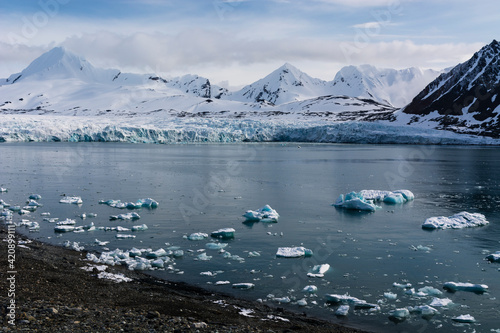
x=285, y=84
x=464, y=99
x=387, y=86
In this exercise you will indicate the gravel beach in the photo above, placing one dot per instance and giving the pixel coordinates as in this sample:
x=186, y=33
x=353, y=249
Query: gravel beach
x=54, y=294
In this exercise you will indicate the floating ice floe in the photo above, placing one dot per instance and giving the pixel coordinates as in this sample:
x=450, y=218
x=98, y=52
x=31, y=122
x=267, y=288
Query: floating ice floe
x=156, y=254
x=100, y=243
x=342, y=310
x=32, y=226
x=15, y=208
x=399, y=314
x=441, y=302
x=127, y=216
x=71, y=200
x=197, y=236
x=67, y=222
x=34, y=203
x=428, y=291
x=35, y=197
x=203, y=257
x=64, y=228
x=124, y=236
x=302, y=302
x=465, y=319
x=390, y=296
x=264, y=214
x=355, y=201
x=293, y=252
x=2, y=189
x=346, y=299
x=465, y=286
x=494, y=257
x=318, y=270
x=457, y=221
x=402, y=285
x=310, y=289
x=73, y=245
x=243, y=285
x=389, y=197
x=141, y=227
x=216, y=246
x=221, y=283
x=424, y=310
x=225, y=233
x=148, y=203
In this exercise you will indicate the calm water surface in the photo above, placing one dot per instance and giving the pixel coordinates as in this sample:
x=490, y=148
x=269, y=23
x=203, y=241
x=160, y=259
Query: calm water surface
x=202, y=188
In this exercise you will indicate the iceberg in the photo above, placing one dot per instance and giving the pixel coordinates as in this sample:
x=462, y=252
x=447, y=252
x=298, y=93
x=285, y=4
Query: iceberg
x=318, y=270
x=441, y=302
x=127, y=216
x=264, y=214
x=429, y=291
x=399, y=314
x=494, y=257
x=226, y=233
x=71, y=200
x=302, y=302
x=197, y=236
x=457, y=221
x=64, y=228
x=67, y=222
x=34, y=203
x=424, y=310
x=465, y=286
x=310, y=289
x=141, y=227
x=342, y=310
x=243, y=285
x=355, y=201
x=293, y=252
x=147, y=203
x=2, y=189
x=35, y=197
x=388, y=197
x=464, y=319
x=203, y=257
x=156, y=254
x=215, y=246
x=390, y=295
x=346, y=299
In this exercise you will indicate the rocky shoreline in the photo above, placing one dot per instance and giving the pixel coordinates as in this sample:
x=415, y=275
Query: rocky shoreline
x=53, y=293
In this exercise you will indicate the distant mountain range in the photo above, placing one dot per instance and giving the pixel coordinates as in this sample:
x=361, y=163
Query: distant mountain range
x=462, y=99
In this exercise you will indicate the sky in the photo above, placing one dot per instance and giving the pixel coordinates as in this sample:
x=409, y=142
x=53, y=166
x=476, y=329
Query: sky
x=236, y=42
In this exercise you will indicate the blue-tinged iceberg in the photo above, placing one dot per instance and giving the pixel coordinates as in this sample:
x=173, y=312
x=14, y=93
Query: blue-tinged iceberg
x=264, y=214
x=494, y=257
x=465, y=286
x=457, y=221
x=293, y=252
x=355, y=201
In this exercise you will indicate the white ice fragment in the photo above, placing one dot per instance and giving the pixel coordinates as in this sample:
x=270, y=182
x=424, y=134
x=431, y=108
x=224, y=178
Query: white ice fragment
x=98, y=242
x=225, y=233
x=118, y=278
x=293, y=252
x=216, y=246
x=355, y=201
x=282, y=300
x=45, y=214
x=2, y=189
x=220, y=283
x=73, y=245
x=197, y=236
x=124, y=236
x=401, y=285
x=141, y=227
x=457, y=221
x=148, y=203
x=264, y=214
x=425, y=310
x=71, y=200
x=246, y=312
x=156, y=254
x=346, y=299
x=464, y=319
x=494, y=257
x=342, y=310
x=64, y=228
x=253, y=254
x=429, y=291
x=310, y=289
x=391, y=197
x=203, y=257
x=399, y=314
x=318, y=270
x=127, y=216
x=302, y=302
x=441, y=302
x=243, y=285
x=390, y=295
x=465, y=286
x=158, y=263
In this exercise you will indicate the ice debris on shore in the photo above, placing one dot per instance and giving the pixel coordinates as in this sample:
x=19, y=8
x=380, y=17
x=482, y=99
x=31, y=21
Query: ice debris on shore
x=318, y=271
x=73, y=245
x=457, y=221
x=264, y=214
x=465, y=286
x=147, y=203
x=494, y=257
x=71, y=200
x=225, y=233
x=293, y=252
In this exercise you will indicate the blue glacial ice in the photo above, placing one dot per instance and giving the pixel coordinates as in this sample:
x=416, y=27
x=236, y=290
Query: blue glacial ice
x=264, y=214
x=355, y=201
x=293, y=252
x=389, y=197
x=311, y=289
x=465, y=286
x=494, y=257
x=342, y=310
x=457, y=221
x=147, y=203
x=35, y=197
x=318, y=270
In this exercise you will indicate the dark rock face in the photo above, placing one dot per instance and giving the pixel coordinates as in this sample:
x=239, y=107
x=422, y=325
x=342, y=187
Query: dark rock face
x=466, y=98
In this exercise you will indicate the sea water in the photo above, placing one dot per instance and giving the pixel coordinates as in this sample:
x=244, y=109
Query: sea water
x=204, y=188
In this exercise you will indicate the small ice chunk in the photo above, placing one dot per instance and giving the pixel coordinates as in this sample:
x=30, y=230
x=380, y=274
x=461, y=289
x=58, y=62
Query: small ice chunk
x=225, y=233
x=391, y=197
x=141, y=227
x=73, y=245
x=98, y=242
x=282, y=300
x=401, y=285
x=264, y=214
x=71, y=200
x=342, y=310
x=156, y=254
x=64, y=228
x=124, y=236
x=2, y=189
x=45, y=214
x=148, y=203
x=158, y=263
x=318, y=270
x=33, y=203
x=220, y=283
x=429, y=291
x=465, y=286
x=197, y=236
x=390, y=295
x=127, y=216
x=302, y=302
x=134, y=252
x=243, y=285
x=355, y=201
x=457, y=221
x=394, y=198
x=425, y=310
x=203, y=257
x=494, y=257
x=253, y=254
x=399, y=314
x=311, y=289
x=464, y=319
x=441, y=302
x=118, y=278
x=216, y=246
x=293, y=252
